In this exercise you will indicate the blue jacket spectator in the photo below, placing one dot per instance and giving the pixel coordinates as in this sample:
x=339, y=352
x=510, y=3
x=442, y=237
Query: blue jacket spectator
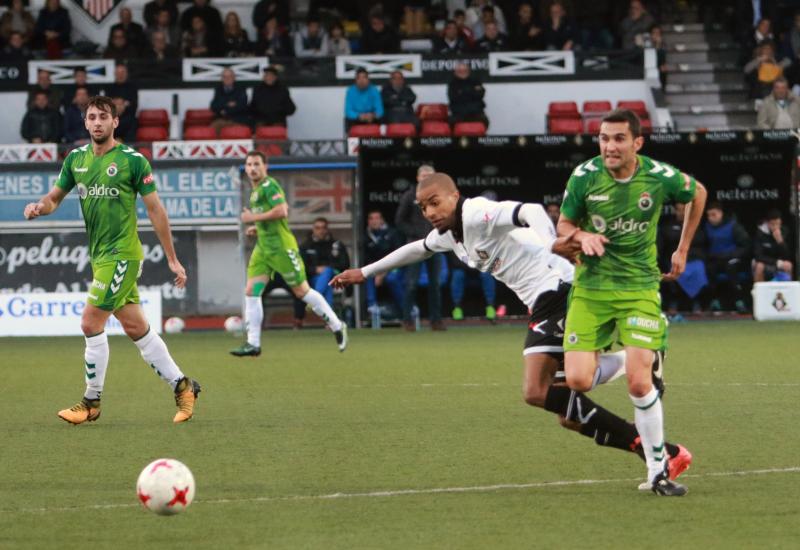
x=363, y=103
x=727, y=264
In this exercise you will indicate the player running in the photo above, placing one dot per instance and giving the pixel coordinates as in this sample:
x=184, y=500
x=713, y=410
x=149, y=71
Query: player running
x=108, y=176
x=276, y=251
x=611, y=209
x=512, y=241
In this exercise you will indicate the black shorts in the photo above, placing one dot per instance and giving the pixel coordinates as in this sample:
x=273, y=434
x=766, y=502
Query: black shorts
x=546, y=324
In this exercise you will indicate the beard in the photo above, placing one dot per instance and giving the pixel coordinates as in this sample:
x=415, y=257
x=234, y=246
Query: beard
x=102, y=139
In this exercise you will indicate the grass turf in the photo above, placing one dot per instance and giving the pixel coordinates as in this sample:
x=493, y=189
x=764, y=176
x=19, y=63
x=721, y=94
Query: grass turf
x=397, y=411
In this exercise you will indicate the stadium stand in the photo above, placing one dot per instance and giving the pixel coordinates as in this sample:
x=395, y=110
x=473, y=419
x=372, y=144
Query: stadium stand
x=193, y=133
x=401, y=129
x=469, y=129
x=433, y=128
x=365, y=130
x=236, y=131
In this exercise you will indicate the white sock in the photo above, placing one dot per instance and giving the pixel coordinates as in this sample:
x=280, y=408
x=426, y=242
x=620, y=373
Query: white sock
x=254, y=315
x=321, y=307
x=649, y=419
x=96, y=358
x=155, y=353
x=610, y=366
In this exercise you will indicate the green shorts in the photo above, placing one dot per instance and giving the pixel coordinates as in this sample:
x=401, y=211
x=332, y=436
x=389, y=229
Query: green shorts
x=114, y=284
x=594, y=314
x=288, y=263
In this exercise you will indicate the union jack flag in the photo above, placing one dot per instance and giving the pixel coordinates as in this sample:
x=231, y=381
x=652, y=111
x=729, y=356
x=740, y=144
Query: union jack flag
x=97, y=9
x=330, y=194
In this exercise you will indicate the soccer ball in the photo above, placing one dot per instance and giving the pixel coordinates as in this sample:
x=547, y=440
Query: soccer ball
x=165, y=487
x=173, y=325
x=233, y=324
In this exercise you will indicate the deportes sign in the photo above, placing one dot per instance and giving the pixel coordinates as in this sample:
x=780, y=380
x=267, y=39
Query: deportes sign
x=59, y=314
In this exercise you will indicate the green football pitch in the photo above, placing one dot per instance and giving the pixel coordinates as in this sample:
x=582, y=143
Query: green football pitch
x=404, y=441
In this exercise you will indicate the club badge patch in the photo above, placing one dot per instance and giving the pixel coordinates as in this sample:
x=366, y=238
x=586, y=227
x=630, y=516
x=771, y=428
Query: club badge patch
x=572, y=338
x=645, y=201
x=111, y=171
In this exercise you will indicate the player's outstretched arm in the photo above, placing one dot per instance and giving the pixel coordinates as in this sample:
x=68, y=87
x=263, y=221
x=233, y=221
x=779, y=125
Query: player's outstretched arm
x=158, y=217
x=592, y=244
x=405, y=255
x=46, y=205
x=694, y=213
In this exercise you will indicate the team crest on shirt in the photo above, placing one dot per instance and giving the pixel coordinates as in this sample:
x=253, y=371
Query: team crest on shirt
x=599, y=223
x=572, y=338
x=83, y=191
x=111, y=171
x=645, y=201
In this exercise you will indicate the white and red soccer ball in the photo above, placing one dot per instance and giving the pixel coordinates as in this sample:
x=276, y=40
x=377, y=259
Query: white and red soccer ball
x=174, y=325
x=233, y=324
x=165, y=486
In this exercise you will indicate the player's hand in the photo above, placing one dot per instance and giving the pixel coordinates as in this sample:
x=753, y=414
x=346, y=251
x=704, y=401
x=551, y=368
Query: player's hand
x=567, y=246
x=592, y=244
x=678, y=266
x=347, y=278
x=180, y=273
x=251, y=231
x=33, y=210
x=247, y=216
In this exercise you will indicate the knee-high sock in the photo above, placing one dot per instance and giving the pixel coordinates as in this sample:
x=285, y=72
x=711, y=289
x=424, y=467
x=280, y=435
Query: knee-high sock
x=650, y=424
x=155, y=353
x=321, y=308
x=254, y=313
x=96, y=359
x=609, y=367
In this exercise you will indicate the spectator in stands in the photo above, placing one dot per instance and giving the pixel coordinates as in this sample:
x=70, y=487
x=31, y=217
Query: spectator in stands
x=266, y=9
x=415, y=17
x=656, y=41
x=764, y=69
x=75, y=132
x=119, y=49
x=381, y=240
x=636, y=26
x=553, y=211
x=450, y=42
x=199, y=41
x=323, y=257
x=81, y=81
x=762, y=33
x=235, y=42
x=525, y=33
x=460, y=277
x=134, y=33
x=337, y=43
x=362, y=103
x=160, y=51
x=493, y=40
x=379, y=37
x=152, y=9
x=53, y=28
x=311, y=40
x=271, y=103
x=229, y=102
x=594, y=20
x=771, y=254
x=781, y=109
x=414, y=226
x=208, y=13
x=273, y=40
x=166, y=25
x=691, y=283
x=728, y=255
x=123, y=88
x=17, y=19
x=791, y=47
x=44, y=84
x=478, y=13
x=558, y=32
x=398, y=100
x=126, y=131
x=16, y=52
x=460, y=17
x=465, y=93
x=42, y=123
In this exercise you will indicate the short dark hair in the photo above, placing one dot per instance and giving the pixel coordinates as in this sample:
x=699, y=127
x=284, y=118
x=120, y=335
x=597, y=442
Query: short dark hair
x=625, y=115
x=270, y=69
x=258, y=154
x=81, y=87
x=361, y=70
x=104, y=103
x=79, y=69
x=773, y=214
x=715, y=205
x=487, y=8
x=374, y=211
x=459, y=13
x=321, y=219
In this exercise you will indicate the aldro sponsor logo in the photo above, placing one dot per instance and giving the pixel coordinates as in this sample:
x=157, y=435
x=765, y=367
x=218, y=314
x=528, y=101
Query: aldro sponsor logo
x=619, y=225
x=97, y=191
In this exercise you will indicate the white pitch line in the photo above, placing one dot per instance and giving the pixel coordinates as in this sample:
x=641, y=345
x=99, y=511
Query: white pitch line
x=429, y=491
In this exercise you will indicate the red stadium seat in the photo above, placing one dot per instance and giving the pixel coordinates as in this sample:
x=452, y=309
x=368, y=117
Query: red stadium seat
x=566, y=126
x=469, y=129
x=152, y=133
x=647, y=126
x=270, y=149
x=596, y=107
x=593, y=126
x=153, y=117
x=637, y=107
x=147, y=152
x=236, y=131
x=563, y=109
x=432, y=111
x=271, y=132
x=401, y=129
x=198, y=117
x=194, y=133
x=432, y=128
x=365, y=130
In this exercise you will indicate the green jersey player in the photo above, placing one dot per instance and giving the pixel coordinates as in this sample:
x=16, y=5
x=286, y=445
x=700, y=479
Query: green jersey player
x=611, y=209
x=276, y=251
x=108, y=176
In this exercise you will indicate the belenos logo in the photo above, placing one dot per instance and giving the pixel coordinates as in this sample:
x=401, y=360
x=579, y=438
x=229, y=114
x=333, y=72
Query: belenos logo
x=111, y=171
x=97, y=191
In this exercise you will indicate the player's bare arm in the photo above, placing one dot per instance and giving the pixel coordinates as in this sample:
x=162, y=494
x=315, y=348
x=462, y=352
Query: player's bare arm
x=251, y=231
x=275, y=213
x=158, y=217
x=408, y=254
x=592, y=244
x=46, y=205
x=567, y=247
x=347, y=278
x=694, y=213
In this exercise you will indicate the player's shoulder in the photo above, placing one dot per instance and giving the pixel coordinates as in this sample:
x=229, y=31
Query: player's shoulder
x=76, y=153
x=270, y=182
x=588, y=169
x=133, y=156
x=474, y=209
x=656, y=169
